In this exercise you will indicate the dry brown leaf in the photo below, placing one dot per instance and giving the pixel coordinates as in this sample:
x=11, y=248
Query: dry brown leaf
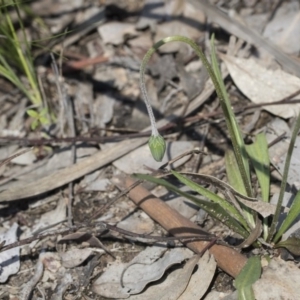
x=138, y=275
x=262, y=85
x=284, y=27
x=201, y=279
x=263, y=208
x=75, y=257
x=173, y=286
x=116, y=32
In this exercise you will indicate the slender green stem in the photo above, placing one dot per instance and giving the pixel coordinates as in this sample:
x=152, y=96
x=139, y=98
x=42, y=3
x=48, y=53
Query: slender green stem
x=143, y=86
x=284, y=179
x=36, y=98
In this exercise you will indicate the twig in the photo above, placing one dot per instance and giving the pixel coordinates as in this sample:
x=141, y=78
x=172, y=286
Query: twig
x=10, y=158
x=228, y=259
x=100, y=227
x=29, y=286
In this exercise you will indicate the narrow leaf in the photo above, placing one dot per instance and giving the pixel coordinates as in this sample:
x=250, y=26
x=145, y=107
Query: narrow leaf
x=259, y=156
x=213, y=209
x=211, y=196
x=235, y=179
x=233, y=128
x=249, y=274
x=284, y=178
x=233, y=173
x=32, y=113
x=290, y=218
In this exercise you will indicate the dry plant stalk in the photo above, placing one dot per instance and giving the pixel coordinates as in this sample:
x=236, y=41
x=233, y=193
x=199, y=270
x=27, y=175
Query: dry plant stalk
x=228, y=259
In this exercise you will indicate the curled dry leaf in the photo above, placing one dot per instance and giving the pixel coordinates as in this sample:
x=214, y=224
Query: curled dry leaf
x=201, y=279
x=150, y=265
x=262, y=85
x=172, y=286
x=263, y=208
x=137, y=276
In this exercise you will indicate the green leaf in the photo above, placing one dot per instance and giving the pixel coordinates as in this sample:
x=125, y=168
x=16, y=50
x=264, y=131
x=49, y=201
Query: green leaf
x=213, y=209
x=34, y=124
x=292, y=244
x=235, y=180
x=248, y=275
x=43, y=111
x=44, y=120
x=211, y=196
x=32, y=113
x=259, y=156
x=233, y=173
x=233, y=128
x=290, y=218
x=157, y=147
x=284, y=178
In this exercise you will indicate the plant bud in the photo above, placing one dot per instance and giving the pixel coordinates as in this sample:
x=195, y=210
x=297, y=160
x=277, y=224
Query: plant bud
x=157, y=147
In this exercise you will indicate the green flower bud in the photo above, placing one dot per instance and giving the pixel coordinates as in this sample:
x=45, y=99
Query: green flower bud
x=157, y=147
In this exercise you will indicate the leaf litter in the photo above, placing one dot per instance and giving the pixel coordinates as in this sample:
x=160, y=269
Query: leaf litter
x=106, y=98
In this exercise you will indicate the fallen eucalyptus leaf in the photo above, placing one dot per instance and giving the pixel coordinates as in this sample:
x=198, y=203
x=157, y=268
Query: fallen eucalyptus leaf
x=201, y=278
x=263, y=208
x=284, y=26
x=138, y=275
x=262, y=85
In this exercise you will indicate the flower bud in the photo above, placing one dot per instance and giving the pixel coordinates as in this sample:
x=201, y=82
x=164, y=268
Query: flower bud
x=157, y=147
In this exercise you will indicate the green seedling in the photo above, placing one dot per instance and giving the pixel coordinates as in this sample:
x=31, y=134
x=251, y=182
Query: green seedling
x=38, y=117
x=16, y=61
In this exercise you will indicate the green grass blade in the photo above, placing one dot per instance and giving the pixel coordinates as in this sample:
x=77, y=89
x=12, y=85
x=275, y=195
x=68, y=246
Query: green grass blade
x=290, y=218
x=233, y=173
x=235, y=180
x=211, y=196
x=213, y=209
x=24, y=62
x=7, y=72
x=284, y=178
x=259, y=156
x=250, y=273
x=233, y=128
